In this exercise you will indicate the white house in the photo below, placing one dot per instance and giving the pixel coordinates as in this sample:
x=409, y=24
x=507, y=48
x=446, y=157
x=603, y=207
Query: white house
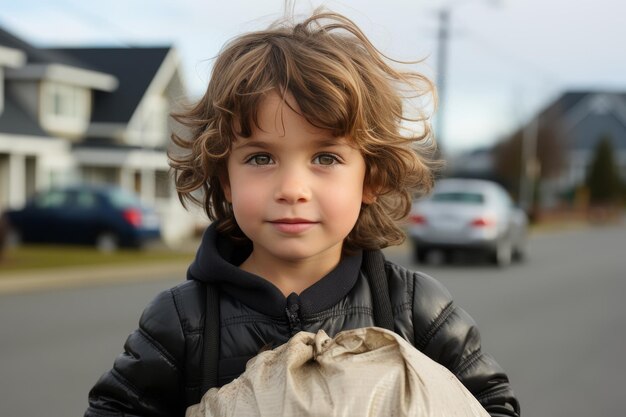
x=94, y=115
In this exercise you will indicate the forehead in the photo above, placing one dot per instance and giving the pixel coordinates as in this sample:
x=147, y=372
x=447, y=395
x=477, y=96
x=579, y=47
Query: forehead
x=276, y=114
x=281, y=118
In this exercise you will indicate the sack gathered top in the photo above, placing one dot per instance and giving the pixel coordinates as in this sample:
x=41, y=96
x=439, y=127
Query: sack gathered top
x=363, y=372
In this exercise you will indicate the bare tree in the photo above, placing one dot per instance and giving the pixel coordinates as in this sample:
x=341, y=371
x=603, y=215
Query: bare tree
x=549, y=159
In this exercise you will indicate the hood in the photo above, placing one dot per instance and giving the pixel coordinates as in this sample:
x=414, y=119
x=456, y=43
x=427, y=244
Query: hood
x=217, y=262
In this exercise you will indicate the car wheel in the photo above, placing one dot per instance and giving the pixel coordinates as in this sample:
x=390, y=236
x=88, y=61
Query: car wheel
x=448, y=256
x=107, y=242
x=420, y=255
x=520, y=252
x=503, y=254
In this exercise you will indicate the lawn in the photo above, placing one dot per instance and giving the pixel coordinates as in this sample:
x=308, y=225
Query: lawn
x=33, y=257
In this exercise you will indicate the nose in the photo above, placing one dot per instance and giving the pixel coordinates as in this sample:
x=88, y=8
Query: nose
x=292, y=187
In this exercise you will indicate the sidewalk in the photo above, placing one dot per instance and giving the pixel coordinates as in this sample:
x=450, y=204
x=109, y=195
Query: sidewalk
x=72, y=277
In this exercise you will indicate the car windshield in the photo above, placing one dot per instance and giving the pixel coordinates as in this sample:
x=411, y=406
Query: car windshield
x=458, y=197
x=123, y=199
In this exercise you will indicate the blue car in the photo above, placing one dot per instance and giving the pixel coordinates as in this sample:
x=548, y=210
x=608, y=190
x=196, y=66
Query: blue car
x=105, y=216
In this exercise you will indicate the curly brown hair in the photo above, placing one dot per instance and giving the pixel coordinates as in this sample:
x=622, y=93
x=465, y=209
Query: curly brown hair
x=342, y=83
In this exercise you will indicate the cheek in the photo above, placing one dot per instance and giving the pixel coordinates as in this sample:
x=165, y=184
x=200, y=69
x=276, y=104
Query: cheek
x=343, y=200
x=247, y=201
x=246, y=198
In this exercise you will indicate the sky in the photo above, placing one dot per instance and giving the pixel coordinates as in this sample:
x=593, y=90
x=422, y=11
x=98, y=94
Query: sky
x=507, y=59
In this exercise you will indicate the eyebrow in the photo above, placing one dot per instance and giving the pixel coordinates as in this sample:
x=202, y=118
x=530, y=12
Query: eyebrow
x=251, y=144
x=338, y=141
x=323, y=143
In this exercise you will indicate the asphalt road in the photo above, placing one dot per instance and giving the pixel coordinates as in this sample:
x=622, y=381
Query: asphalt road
x=557, y=324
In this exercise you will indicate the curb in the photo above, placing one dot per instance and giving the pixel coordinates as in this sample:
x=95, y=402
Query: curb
x=75, y=277
x=567, y=226
x=540, y=229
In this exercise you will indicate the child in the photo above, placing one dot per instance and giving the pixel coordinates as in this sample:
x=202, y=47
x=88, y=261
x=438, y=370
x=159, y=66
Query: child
x=299, y=150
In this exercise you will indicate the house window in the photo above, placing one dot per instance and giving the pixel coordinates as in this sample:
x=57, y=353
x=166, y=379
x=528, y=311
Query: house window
x=65, y=108
x=101, y=175
x=156, y=121
x=163, y=184
x=65, y=100
x=59, y=105
x=151, y=127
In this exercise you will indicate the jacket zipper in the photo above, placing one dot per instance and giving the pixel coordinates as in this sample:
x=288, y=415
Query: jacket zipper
x=293, y=314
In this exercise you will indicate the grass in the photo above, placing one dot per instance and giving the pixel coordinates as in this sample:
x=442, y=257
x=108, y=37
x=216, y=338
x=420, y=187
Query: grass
x=35, y=257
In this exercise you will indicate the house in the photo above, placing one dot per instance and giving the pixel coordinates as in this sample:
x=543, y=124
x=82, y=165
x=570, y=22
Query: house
x=582, y=119
x=559, y=145
x=94, y=115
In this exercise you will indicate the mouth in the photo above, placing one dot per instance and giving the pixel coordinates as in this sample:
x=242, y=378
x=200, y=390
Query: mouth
x=292, y=221
x=292, y=225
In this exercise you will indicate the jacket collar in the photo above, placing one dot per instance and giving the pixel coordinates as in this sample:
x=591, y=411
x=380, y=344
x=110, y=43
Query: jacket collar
x=217, y=262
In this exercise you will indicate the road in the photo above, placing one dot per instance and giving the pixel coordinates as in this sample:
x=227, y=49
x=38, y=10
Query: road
x=556, y=323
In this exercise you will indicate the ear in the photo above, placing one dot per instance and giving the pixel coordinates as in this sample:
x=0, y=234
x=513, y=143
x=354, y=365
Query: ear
x=369, y=196
x=371, y=191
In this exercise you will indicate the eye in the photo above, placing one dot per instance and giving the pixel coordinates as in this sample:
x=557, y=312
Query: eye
x=259, y=159
x=326, y=159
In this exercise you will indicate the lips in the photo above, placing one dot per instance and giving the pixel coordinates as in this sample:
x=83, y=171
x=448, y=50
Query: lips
x=292, y=225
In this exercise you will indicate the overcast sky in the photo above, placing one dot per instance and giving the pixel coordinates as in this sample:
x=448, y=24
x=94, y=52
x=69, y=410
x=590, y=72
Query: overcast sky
x=507, y=59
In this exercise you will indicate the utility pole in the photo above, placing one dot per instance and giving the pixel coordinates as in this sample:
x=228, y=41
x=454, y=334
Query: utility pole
x=442, y=62
x=288, y=8
x=529, y=166
x=444, y=17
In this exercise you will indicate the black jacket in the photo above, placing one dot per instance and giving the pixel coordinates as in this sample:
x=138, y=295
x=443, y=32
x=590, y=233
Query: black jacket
x=158, y=374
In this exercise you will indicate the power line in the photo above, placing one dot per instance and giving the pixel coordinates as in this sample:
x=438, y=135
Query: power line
x=117, y=32
x=515, y=61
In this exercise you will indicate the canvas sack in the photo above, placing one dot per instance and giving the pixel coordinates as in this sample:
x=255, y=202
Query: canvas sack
x=364, y=372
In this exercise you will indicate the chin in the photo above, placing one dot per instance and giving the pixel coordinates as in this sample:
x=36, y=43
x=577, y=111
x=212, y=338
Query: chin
x=294, y=255
x=296, y=251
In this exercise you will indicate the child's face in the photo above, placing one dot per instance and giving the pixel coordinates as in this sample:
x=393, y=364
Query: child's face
x=296, y=190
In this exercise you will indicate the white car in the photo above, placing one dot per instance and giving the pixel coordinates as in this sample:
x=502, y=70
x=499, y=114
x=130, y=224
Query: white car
x=469, y=215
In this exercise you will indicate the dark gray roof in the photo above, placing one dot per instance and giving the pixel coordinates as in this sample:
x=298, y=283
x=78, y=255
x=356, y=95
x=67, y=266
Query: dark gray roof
x=133, y=67
x=15, y=120
x=36, y=55
x=587, y=134
x=570, y=99
x=589, y=130
x=555, y=111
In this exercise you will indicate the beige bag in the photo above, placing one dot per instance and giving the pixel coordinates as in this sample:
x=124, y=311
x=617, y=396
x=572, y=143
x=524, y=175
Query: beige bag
x=364, y=372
